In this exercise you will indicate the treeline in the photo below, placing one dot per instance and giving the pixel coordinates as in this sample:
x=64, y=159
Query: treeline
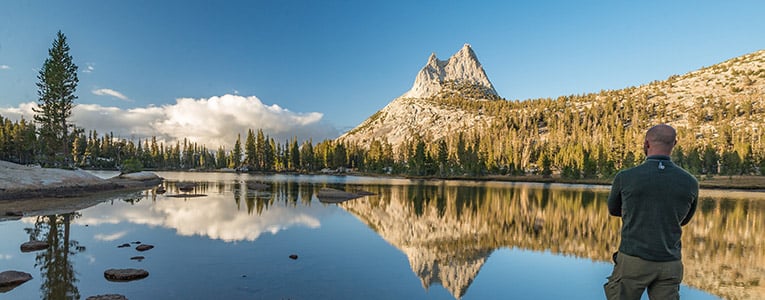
x=20, y=143
x=576, y=136
x=596, y=135
x=588, y=136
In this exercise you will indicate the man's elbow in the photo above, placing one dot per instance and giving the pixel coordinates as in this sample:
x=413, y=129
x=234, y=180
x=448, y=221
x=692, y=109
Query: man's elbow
x=615, y=212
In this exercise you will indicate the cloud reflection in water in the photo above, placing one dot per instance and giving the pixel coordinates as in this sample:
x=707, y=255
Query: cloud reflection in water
x=215, y=216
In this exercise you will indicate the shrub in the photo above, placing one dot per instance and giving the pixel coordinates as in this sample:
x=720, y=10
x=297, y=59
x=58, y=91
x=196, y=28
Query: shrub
x=131, y=165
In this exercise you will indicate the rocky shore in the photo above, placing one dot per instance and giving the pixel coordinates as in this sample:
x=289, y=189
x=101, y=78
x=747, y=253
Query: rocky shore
x=30, y=182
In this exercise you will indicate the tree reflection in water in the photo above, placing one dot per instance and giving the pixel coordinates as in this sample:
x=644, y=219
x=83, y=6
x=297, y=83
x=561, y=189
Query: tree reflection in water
x=448, y=231
x=56, y=268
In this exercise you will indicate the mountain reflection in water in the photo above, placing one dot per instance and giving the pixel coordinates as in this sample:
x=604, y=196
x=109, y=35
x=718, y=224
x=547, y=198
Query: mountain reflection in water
x=446, y=229
x=449, y=230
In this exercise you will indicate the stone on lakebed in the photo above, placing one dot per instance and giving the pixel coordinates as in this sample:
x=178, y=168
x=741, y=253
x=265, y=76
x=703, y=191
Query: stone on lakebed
x=125, y=274
x=143, y=247
x=107, y=297
x=33, y=246
x=12, y=279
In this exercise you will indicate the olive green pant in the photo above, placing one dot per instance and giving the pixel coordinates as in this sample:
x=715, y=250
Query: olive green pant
x=633, y=275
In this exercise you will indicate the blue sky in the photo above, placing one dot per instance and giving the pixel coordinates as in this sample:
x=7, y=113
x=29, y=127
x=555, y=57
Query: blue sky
x=331, y=64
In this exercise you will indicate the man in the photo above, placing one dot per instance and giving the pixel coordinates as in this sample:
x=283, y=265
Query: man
x=654, y=200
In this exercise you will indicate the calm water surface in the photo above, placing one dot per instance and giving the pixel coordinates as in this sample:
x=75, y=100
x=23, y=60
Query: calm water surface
x=412, y=240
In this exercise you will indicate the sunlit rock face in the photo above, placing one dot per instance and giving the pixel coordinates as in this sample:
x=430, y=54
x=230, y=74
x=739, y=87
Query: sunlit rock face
x=463, y=67
x=405, y=118
x=423, y=110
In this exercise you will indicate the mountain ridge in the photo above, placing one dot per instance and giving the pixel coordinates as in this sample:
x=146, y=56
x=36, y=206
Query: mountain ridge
x=461, y=75
x=462, y=67
x=706, y=105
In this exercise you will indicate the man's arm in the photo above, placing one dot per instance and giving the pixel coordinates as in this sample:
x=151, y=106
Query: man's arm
x=615, y=197
x=692, y=210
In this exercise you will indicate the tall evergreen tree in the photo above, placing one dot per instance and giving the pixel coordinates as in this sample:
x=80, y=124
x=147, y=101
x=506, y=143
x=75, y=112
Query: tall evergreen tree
x=294, y=154
x=307, y=156
x=236, y=155
x=250, y=154
x=442, y=156
x=57, y=84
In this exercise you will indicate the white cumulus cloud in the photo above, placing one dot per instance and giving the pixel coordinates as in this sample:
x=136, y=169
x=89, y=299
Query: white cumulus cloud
x=110, y=92
x=5, y=67
x=208, y=121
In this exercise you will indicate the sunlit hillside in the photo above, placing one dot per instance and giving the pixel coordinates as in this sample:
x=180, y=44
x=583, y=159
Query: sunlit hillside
x=719, y=112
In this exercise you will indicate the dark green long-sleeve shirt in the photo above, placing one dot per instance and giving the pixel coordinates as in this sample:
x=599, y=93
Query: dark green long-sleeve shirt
x=654, y=199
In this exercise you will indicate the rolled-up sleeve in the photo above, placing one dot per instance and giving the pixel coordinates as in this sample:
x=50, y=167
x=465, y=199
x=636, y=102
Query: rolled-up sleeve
x=615, y=197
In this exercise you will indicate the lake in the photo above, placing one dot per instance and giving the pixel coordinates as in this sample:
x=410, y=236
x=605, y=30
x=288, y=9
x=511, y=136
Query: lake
x=413, y=239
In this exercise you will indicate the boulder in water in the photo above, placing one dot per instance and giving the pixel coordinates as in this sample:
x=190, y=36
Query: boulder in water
x=144, y=247
x=107, y=297
x=32, y=246
x=11, y=279
x=125, y=274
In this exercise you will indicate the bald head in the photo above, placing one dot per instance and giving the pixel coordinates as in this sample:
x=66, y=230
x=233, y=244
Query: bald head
x=659, y=140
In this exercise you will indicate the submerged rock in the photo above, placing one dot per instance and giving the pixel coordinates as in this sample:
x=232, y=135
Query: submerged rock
x=138, y=258
x=107, y=297
x=186, y=195
x=33, y=246
x=256, y=186
x=143, y=247
x=11, y=215
x=125, y=274
x=330, y=195
x=14, y=214
x=123, y=246
x=186, y=186
x=11, y=279
x=363, y=193
x=293, y=256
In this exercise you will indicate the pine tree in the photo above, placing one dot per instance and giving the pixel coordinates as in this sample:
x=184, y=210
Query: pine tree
x=250, y=154
x=57, y=84
x=442, y=156
x=294, y=154
x=235, y=160
x=260, y=151
x=220, y=157
x=307, y=156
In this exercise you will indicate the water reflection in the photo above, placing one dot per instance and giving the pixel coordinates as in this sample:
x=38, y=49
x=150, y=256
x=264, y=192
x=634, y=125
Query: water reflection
x=449, y=230
x=55, y=262
x=229, y=211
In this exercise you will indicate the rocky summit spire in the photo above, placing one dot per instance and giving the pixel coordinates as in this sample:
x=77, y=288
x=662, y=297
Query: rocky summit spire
x=462, y=68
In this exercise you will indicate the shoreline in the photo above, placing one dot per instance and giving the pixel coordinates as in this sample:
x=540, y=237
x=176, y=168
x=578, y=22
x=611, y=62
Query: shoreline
x=750, y=183
x=18, y=182
x=75, y=186
x=110, y=185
